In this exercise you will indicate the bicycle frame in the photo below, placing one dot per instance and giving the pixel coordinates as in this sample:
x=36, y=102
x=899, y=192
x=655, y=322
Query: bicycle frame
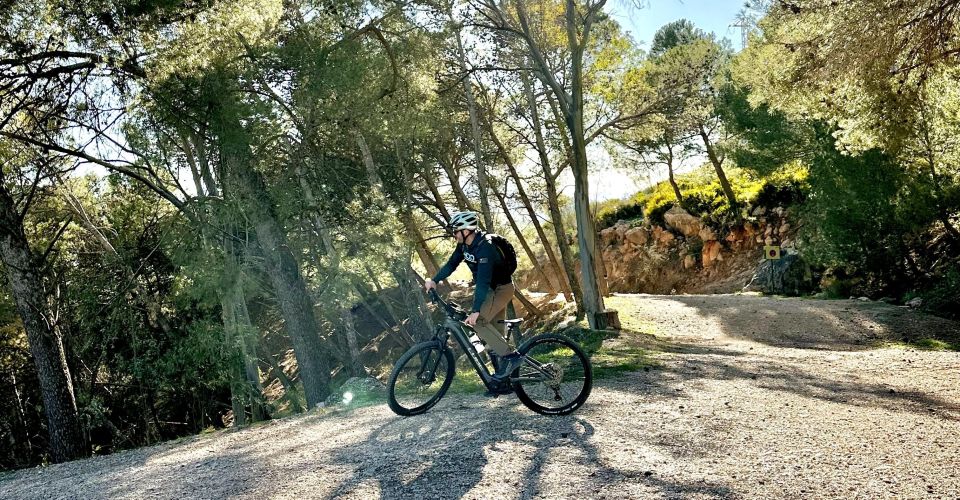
x=452, y=326
x=455, y=328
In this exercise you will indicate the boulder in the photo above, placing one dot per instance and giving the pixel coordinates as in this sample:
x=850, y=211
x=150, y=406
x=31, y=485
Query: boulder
x=790, y=275
x=662, y=236
x=914, y=302
x=707, y=234
x=608, y=236
x=689, y=261
x=638, y=236
x=710, y=253
x=682, y=221
x=621, y=227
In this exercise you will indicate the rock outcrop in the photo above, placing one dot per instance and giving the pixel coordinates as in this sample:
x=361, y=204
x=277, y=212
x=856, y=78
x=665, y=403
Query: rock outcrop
x=790, y=275
x=686, y=255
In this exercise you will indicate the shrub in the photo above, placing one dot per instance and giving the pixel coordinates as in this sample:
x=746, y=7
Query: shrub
x=943, y=298
x=703, y=196
x=656, y=214
x=629, y=211
x=784, y=188
x=658, y=201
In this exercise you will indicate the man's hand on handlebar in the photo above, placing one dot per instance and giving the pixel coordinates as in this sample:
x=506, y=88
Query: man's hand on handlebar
x=429, y=284
x=472, y=319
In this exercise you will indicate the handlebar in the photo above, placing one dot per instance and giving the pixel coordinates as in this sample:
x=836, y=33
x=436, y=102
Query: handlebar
x=453, y=311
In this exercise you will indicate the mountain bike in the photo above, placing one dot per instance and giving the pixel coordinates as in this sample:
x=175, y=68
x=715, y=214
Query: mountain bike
x=554, y=379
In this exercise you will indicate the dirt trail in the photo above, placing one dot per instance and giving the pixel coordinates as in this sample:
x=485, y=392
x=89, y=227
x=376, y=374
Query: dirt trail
x=751, y=397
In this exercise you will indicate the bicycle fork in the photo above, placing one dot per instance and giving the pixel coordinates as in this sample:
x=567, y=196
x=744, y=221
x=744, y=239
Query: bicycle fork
x=428, y=367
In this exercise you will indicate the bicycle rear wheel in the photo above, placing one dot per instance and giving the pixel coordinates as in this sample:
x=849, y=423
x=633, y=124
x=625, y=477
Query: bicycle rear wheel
x=420, y=378
x=556, y=377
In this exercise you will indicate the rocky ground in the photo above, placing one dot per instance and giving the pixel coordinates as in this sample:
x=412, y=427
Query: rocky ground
x=747, y=397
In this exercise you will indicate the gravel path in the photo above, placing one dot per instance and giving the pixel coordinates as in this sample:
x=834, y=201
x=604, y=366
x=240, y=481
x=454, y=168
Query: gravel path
x=751, y=397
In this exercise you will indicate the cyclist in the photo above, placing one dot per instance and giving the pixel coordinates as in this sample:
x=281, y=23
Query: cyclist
x=493, y=286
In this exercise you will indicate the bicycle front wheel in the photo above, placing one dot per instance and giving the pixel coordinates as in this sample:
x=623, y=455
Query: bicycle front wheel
x=420, y=378
x=556, y=377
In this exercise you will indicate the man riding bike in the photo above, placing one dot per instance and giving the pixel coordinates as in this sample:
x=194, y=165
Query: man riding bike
x=493, y=286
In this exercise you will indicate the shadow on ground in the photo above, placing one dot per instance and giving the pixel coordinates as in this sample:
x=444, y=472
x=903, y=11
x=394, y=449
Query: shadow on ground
x=470, y=446
x=789, y=322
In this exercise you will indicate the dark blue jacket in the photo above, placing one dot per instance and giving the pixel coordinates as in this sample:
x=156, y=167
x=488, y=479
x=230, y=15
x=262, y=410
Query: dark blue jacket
x=485, y=262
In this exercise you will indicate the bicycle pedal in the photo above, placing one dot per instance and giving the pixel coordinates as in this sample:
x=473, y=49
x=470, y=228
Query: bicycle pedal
x=496, y=393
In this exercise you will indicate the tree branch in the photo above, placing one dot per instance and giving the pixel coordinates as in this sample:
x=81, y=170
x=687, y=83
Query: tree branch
x=165, y=194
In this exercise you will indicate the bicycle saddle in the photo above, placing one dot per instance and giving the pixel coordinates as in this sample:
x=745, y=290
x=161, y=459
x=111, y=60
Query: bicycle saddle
x=511, y=322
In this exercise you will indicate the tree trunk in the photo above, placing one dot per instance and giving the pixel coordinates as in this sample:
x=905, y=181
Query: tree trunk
x=290, y=390
x=564, y=275
x=427, y=258
x=550, y=178
x=586, y=233
x=523, y=241
x=356, y=368
x=247, y=185
x=237, y=392
x=532, y=309
x=561, y=235
x=384, y=323
x=409, y=291
x=463, y=203
x=670, y=176
x=373, y=176
x=435, y=191
x=718, y=166
x=239, y=331
x=25, y=275
x=21, y=414
x=601, y=268
x=246, y=334
x=586, y=230
x=558, y=282
x=475, y=131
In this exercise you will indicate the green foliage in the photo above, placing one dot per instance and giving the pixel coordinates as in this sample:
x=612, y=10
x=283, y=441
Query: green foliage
x=677, y=33
x=657, y=202
x=873, y=115
x=943, y=296
x=935, y=345
x=611, y=211
x=704, y=197
x=784, y=188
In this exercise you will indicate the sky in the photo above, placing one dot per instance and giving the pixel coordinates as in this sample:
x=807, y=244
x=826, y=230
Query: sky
x=714, y=16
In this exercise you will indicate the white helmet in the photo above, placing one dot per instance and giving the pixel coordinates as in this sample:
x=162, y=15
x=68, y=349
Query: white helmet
x=463, y=220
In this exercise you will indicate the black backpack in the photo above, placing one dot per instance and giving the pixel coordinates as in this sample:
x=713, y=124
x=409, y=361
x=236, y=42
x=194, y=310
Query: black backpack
x=506, y=251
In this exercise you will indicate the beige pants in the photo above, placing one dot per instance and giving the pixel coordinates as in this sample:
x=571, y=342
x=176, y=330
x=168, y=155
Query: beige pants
x=494, y=309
